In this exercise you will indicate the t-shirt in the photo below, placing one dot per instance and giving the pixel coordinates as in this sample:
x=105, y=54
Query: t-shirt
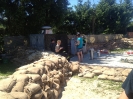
x=80, y=42
x=128, y=85
x=52, y=47
x=57, y=47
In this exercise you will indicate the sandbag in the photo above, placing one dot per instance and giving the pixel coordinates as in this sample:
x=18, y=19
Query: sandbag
x=62, y=80
x=59, y=60
x=6, y=85
x=20, y=72
x=50, y=94
x=65, y=70
x=56, y=86
x=57, y=76
x=19, y=95
x=54, y=72
x=49, y=63
x=37, y=95
x=55, y=61
x=21, y=78
x=74, y=67
x=57, y=81
x=32, y=88
x=41, y=67
x=56, y=94
x=39, y=62
x=44, y=78
x=64, y=60
x=44, y=95
x=19, y=87
x=33, y=70
x=34, y=77
x=25, y=67
x=4, y=95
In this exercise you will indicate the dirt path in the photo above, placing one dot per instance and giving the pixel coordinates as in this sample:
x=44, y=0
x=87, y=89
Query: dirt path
x=86, y=88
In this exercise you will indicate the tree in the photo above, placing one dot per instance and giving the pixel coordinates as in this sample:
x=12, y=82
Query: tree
x=27, y=16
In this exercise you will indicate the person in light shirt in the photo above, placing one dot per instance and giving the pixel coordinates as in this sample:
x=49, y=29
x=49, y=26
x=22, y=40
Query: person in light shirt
x=79, y=45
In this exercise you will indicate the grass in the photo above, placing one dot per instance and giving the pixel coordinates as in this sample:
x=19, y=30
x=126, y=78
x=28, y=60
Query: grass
x=6, y=69
x=104, y=84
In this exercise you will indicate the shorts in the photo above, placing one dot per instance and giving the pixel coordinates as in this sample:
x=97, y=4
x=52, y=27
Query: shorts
x=79, y=49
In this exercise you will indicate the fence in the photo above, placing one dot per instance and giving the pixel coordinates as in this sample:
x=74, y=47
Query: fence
x=99, y=38
x=12, y=42
x=42, y=42
x=37, y=41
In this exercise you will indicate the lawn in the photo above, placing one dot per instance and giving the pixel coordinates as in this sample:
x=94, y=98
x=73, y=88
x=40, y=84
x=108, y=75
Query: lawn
x=6, y=69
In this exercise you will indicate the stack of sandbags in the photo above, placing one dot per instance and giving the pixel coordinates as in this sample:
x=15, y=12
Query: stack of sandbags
x=41, y=79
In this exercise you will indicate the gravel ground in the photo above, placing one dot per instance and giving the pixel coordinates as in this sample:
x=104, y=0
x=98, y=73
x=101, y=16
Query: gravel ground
x=91, y=88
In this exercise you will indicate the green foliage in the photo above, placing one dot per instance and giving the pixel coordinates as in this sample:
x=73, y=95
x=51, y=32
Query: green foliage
x=23, y=17
x=28, y=16
x=7, y=69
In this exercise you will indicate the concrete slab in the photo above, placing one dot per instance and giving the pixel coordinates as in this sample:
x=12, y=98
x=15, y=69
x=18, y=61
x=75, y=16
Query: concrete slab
x=110, y=60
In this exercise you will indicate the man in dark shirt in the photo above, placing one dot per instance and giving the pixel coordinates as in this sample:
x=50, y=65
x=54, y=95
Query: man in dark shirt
x=52, y=45
x=128, y=87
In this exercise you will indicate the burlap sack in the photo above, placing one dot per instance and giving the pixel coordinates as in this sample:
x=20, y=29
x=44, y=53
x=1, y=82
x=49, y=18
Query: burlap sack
x=41, y=67
x=44, y=95
x=4, y=95
x=33, y=70
x=74, y=67
x=50, y=82
x=34, y=77
x=49, y=63
x=64, y=60
x=25, y=67
x=56, y=94
x=59, y=60
x=44, y=78
x=59, y=66
x=19, y=87
x=21, y=78
x=65, y=70
x=19, y=95
x=55, y=61
x=62, y=80
x=6, y=85
x=50, y=94
x=54, y=72
x=56, y=86
x=57, y=76
x=37, y=95
x=46, y=88
x=20, y=72
x=41, y=62
x=57, y=81
x=32, y=88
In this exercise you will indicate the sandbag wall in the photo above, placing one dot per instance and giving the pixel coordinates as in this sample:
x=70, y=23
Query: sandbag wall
x=42, y=79
x=104, y=72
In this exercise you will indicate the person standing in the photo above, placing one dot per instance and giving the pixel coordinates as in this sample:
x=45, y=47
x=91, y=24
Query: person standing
x=79, y=45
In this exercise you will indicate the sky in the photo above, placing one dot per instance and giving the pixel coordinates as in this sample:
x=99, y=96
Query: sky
x=74, y=2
